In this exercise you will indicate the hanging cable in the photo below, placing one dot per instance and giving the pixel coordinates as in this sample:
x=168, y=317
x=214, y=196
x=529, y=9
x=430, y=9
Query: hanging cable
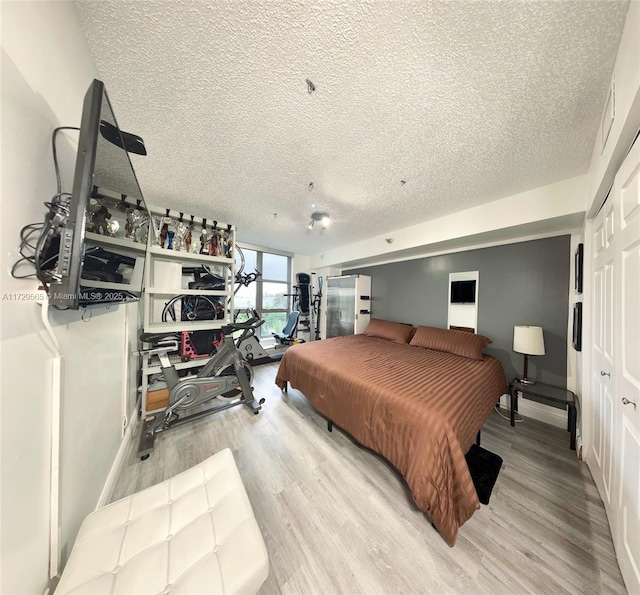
x=56, y=217
x=518, y=419
x=55, y=155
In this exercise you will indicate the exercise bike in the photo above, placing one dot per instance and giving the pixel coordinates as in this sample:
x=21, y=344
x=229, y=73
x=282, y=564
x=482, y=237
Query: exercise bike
x=227, y=377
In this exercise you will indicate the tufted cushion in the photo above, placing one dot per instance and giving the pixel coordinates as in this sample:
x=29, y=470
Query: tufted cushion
x=457, y=342
x=193, y=533
x=392, y=331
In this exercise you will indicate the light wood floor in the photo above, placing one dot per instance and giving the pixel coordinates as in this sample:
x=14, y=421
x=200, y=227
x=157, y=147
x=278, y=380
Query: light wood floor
x=336, y=518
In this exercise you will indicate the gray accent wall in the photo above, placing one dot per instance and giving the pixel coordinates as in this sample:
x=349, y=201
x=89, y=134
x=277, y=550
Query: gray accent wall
x=522, y=283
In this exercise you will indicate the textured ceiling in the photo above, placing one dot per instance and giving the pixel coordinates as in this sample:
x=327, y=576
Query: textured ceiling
x=467, y=102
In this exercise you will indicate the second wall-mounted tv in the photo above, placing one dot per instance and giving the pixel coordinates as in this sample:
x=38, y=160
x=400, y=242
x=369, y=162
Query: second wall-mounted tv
x=463, y=292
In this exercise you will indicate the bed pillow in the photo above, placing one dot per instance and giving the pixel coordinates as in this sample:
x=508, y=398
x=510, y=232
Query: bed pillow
x=391, y=331
x=460, y=343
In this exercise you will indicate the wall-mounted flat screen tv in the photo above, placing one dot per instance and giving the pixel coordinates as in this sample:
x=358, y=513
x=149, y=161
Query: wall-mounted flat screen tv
x=102, y=245
x=463, y=292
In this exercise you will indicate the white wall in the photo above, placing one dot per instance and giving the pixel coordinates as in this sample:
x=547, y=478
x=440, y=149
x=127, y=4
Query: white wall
x=46, y=70
x=300, y=263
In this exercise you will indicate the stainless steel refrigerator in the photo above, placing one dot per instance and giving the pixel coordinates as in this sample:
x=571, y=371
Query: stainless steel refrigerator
x=348, y=305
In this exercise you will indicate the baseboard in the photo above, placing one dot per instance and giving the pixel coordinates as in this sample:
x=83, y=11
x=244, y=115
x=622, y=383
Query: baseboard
x=107, y=490
x=544, y=413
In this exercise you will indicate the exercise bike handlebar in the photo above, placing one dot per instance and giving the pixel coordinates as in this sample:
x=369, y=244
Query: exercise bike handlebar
x=253, y=323
x=167, y=342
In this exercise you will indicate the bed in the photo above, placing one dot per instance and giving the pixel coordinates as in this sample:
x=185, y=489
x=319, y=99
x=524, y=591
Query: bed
x=418, y=397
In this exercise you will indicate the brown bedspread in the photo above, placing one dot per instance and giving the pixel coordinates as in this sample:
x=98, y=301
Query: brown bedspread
x=418, y=408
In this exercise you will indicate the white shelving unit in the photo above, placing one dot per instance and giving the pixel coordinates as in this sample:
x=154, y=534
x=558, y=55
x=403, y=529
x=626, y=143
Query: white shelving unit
x=109, y=242
x=124, y=247
x=164, y=279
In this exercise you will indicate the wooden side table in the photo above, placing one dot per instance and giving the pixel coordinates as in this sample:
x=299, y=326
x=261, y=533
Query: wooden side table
x=554, y=396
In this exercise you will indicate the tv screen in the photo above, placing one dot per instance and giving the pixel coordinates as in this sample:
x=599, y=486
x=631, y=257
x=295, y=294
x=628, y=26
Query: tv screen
x=102, y=246
x=463, y=292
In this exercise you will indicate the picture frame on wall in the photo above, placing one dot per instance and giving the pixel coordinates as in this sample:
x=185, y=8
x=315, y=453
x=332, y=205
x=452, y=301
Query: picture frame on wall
x=577, y=326
x=578, y=265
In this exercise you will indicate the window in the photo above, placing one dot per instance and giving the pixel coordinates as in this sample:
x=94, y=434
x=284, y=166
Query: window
x=268, y=295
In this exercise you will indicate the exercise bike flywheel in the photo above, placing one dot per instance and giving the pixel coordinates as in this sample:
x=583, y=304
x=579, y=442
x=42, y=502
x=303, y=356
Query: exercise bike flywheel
x=188, y=393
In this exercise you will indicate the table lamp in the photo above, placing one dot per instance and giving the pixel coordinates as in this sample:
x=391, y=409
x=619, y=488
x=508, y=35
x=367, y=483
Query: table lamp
x=529, y=341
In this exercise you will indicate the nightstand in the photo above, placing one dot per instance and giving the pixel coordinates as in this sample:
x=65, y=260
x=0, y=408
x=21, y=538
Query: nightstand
x=554, y=396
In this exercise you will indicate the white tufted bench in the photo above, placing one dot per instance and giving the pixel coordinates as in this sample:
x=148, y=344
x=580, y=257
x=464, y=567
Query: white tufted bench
x=193, y=533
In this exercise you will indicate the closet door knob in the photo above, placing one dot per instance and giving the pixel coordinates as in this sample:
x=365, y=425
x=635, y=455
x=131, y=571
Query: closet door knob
x=603, y=373
x=626, y=401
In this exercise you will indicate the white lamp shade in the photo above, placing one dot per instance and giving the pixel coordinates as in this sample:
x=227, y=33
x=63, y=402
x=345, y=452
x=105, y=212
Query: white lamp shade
x=528, y=340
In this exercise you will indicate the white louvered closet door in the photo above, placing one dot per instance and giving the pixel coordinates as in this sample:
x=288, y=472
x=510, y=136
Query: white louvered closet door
x=626, y=192
x=600, y=457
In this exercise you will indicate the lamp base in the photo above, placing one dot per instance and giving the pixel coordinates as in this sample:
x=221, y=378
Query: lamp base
x=524, y=379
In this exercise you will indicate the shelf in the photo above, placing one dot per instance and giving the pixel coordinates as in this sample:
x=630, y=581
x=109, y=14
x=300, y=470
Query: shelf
x=86, y=285
x=100, y=240
x=174, y=292
x=184, y=325
x=153, y=366
x=202, y=258
x=165, y=278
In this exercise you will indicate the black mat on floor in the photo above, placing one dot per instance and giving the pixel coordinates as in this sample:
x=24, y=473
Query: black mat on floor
x=484, y=467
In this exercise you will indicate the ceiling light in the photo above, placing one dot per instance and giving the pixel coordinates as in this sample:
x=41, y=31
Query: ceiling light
x=310, y=86
x=320, y=216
